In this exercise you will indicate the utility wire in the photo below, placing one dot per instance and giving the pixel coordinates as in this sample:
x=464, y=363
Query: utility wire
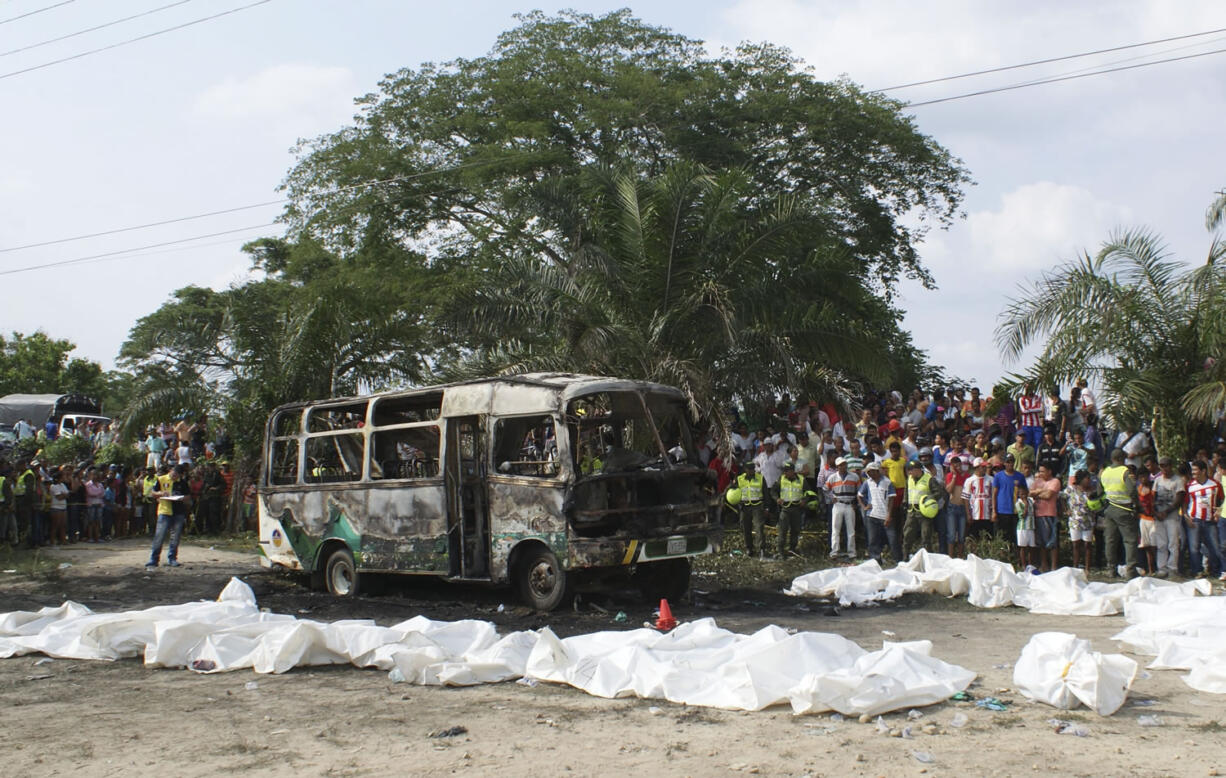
x=1061, y=78
x=338, y=190
x=92, y=29
x=117, y=254
x=146, y=36
x=1050, y=60
x=35, y=11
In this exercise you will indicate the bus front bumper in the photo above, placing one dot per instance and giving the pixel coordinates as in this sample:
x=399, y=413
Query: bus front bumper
x=617, y=552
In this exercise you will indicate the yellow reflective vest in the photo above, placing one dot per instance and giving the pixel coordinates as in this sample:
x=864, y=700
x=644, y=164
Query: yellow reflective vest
x=919, y=488
x=1115, y=486
x=751, y=489
x=791, y=489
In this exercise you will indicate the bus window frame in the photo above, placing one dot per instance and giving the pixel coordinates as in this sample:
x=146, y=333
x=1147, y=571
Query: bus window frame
x=564, y=470
x=437, y=424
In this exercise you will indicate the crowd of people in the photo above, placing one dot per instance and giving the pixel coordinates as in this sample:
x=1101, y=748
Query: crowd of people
x=185, y=485
x=932, y=470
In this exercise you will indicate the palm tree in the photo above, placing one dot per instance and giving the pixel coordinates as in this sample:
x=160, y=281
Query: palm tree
x=676, y=280
x=1149, y=328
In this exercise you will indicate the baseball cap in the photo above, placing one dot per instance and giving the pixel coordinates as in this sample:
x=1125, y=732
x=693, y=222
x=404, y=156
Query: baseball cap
x=1009, y=458
x=978, y=462
x=840, y=461
x=788, y=465
x=872, y=465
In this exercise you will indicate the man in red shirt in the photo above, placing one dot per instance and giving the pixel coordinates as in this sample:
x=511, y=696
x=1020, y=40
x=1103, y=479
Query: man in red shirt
x=1046, y=495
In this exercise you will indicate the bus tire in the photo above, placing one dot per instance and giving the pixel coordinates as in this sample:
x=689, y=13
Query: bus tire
x=341, y=574
x=540, y=579
x=667, y=579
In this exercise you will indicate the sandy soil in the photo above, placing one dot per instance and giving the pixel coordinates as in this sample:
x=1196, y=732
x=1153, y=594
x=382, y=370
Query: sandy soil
x=99, y=718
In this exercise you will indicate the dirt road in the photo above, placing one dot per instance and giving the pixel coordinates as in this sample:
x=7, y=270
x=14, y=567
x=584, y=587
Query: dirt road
x=99, y=718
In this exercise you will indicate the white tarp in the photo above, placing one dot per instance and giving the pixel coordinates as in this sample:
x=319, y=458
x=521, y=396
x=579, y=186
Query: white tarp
x=988, y=583
x=1061, y=670
x=698, y=663
x=1188, y=634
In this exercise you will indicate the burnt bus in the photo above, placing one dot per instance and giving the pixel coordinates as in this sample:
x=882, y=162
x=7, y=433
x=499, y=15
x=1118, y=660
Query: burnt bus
x=542, y=481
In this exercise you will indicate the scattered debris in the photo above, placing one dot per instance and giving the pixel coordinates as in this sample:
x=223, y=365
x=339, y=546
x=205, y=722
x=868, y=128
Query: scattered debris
x=1149, y=721
x=252, y=686
x=65, y=565
x=992, y=703
x=203, y=665
x=1062, y=727
x=962, y=697
x=525, y=681
x=922, y=756
x=621, y=617
x=45, y=660
x=455, y=731
x=959, y=720
x=655, y=711
x=913, y=714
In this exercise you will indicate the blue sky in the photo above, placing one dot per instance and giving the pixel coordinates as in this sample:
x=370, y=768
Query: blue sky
x=203, y=119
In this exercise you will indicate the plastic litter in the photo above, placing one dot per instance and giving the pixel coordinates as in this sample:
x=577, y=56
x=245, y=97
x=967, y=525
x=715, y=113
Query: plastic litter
x=621, y=617
x=959, y=721
x=1061, y=670
x=836, y=717
x=528, y=682
x=203, y=665
x=906, y=733
x=653, y=710
x=1062, y=727
x=922, y=756
x=992, y=703
x=502, y=608
x=395, y=676
x=1149, y=721
x=1144, y=703
x=914, y=714
x=882, y=727
x=65, y=565
x=962, y=697
x=251, y=686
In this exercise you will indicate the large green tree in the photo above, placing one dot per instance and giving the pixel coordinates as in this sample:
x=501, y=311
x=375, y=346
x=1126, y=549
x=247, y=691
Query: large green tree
x=1148, y=328
x=466, y=147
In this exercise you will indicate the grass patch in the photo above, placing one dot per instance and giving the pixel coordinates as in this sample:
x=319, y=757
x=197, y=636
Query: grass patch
x=30, y=562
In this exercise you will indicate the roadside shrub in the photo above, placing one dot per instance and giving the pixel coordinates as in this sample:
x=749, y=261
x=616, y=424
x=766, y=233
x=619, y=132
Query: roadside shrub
x=68, y=449
x=119, y=454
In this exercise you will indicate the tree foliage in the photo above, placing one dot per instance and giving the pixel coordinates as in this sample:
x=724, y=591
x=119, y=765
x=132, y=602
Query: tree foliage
x=467, y=147
x=39, y=364
x=1148, y=328
x=312, y=328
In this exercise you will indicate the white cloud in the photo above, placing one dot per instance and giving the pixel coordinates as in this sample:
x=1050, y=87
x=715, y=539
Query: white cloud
x=300, y=93
x=1039, y=224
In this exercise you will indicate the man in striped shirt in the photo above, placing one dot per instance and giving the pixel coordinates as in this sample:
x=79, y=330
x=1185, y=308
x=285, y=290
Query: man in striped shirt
x=1204, y=496
x=1030, y=409
x=842, y=487
x=977, y=494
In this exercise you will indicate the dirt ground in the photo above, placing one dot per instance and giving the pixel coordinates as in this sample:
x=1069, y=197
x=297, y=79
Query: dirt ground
x=100, y=718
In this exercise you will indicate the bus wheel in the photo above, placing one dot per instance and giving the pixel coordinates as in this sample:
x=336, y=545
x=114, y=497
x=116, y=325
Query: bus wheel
x=541, y=580
x=668, y=579
x=341, y=574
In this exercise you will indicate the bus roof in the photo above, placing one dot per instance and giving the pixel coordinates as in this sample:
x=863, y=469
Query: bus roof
x=529, y=392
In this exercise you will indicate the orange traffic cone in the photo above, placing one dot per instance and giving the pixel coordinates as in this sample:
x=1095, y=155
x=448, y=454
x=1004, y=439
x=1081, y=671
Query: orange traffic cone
x=665, y=621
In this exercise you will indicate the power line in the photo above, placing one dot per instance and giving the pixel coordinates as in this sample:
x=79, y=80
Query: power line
x=1050, y=60
x=236, y=209
x=117, y=254
x=35, y=11
x=92, y=29
x=138, y=38
x=1061, y=78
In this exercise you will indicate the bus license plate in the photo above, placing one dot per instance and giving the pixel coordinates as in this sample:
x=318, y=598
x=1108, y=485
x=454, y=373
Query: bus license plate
x=676, y=546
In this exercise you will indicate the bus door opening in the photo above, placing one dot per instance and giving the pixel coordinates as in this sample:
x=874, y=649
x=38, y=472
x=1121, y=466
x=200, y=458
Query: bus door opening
x=468, y=509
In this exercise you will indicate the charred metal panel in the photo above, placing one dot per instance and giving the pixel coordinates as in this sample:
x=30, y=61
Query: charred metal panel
x=522, y=508
x=387, y=527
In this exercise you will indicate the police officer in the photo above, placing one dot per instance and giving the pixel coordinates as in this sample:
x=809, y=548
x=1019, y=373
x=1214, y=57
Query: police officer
x=1120, y=522
x=923, y=495
x=752, y=507
x=790, y=494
